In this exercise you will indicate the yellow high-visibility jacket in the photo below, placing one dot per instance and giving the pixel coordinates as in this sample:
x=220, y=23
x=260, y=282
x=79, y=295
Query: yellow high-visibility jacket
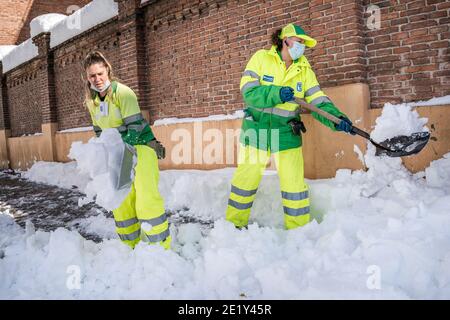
x=120, y=110
x=266, y=115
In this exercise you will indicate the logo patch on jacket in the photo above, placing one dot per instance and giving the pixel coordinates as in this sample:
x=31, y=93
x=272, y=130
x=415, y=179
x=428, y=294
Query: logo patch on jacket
x=268, y=78
x=299, y=86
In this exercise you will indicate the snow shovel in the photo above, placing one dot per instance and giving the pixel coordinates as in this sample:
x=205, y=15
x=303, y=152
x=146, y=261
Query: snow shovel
x=398, y=146
x=126, y=166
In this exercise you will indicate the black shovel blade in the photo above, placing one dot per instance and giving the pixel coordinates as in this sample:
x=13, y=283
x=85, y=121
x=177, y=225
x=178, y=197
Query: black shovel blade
x=401, y=146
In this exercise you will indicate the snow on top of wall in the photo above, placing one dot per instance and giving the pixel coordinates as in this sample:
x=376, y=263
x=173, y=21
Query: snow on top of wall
x=45, y=22
x=5, y=50
x=432, y=102
x=20, y=54
x=81, y=20
x=217, y=117
x=62, y=28
x=80, y=129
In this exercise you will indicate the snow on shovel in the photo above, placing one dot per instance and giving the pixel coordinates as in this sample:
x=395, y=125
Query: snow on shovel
x=398, y=146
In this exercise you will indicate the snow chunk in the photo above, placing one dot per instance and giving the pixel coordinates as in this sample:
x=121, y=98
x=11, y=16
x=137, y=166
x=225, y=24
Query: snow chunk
x=189, y=233
x=100, y=160
x=438, y=173
x=98, y=224
x=397, y=120
x=359, y=154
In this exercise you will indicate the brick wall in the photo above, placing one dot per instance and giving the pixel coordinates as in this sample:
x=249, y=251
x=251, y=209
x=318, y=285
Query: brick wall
x=24, y=99
x=12, y=15
x=185, y=58
x=408, y=58
x=197, y=51
x=69, y=86
x=339, y=56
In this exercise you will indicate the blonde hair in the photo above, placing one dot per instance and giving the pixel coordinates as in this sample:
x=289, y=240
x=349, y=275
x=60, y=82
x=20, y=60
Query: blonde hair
x=92, y=58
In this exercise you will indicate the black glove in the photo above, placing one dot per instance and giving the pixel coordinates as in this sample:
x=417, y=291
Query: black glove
x=345, y=125
x=297, y=126
x=158, y=147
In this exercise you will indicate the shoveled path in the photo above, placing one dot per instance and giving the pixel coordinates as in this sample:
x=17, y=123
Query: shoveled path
x=49, y=207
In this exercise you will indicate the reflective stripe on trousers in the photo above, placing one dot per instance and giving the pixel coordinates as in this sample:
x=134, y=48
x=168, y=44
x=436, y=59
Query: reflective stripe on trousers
x=246, y=198
x=246, y=179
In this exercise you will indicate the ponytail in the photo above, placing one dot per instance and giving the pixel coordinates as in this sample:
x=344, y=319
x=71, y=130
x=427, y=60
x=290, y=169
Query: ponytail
x=276, y=41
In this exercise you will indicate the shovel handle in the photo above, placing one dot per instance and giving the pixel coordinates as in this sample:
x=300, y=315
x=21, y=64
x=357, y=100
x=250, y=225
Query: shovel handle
x=330, y=117
x=313, y=108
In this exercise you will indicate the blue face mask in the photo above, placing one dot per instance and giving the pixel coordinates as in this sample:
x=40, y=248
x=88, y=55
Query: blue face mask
x=297, y=50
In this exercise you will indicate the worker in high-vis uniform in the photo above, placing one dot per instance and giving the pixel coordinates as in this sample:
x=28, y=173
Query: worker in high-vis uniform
x=114, y=105
x=272, y=125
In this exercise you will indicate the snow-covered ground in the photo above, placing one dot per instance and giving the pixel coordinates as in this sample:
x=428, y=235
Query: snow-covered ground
x=383, y=233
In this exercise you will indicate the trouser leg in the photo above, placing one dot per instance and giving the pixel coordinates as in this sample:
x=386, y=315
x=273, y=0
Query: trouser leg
x=294, y=190
x=149, y=203
x=127, y=225
x=251, y=165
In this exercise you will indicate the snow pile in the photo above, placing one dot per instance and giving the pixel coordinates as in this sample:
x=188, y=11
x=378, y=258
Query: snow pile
x=180, y=192
x=438, y=173
x=20, y=54
x=380, y=234
x=64, y=175
x=217, y=117
x=99, y=225
x=378, y=238
x=89, y=16
x=397, y=120
x=100, y=160
x=45, y=22
x=390, y=245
